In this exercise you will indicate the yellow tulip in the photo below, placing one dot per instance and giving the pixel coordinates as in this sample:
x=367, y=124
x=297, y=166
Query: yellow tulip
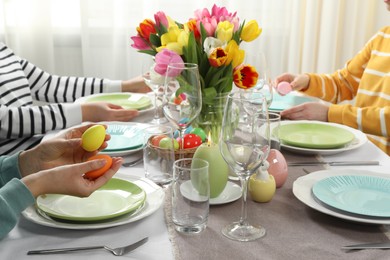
x=174, y=40
x=245, y=76
x=231, y=50
x=250, y=31
x=217, y=57
x=224, y=31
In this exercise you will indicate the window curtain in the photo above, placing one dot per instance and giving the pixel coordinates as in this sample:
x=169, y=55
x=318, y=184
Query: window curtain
x=92, y=37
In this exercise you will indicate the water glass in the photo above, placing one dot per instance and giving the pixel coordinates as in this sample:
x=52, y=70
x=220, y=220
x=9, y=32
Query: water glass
x=159, y=154
x=190, y=195
x=274, y=120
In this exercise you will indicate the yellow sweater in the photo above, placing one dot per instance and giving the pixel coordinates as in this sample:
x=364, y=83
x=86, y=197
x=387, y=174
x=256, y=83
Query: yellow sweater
x=366, y=77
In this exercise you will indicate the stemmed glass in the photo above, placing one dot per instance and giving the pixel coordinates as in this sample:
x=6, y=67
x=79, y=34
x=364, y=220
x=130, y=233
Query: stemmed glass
x=244, y=144
x=155, y=82
x=264, y=84
x=182, y=99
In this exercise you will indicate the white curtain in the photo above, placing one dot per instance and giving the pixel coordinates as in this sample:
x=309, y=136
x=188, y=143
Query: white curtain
x=92, y=37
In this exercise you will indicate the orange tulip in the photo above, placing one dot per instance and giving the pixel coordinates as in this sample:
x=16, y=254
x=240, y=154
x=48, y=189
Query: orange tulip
x=245, y=76
x=218, y=57
x=146, y=28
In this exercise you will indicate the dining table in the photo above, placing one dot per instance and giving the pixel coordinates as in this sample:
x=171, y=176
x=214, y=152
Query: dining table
x=294, y=230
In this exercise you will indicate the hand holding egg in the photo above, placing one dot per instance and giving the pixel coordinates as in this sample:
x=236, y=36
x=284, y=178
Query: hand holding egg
x=284, y=88
x=93, y=138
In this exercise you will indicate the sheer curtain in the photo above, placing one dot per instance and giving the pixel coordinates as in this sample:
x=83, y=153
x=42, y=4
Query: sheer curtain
x=92, y=37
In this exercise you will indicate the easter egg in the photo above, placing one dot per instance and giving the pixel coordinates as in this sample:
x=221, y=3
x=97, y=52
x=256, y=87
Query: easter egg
x=199, y=132
x=284, y=88
x=155, y=141
x=93, y=138
x=166, y=143
x=99, y=172
x=277, y=167
x=191, y=141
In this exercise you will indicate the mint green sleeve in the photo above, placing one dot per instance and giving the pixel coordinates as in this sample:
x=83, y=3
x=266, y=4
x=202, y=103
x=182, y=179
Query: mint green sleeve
x=14, y=195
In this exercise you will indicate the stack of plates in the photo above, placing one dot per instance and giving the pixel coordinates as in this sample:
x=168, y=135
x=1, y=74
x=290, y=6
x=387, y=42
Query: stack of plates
x=124, y=199
x=141, y=102
x=126, y=138
x=355, y=195
x=315, y=137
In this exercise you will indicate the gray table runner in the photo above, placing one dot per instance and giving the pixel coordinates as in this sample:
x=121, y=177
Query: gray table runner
x=294, y=231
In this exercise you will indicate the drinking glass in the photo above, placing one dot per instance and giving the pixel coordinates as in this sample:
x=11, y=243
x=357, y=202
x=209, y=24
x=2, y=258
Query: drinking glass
x=182, y=99
x=190, y=195
x=159, y=157
x=156, y=83
x=244, y=144
x=264, y=84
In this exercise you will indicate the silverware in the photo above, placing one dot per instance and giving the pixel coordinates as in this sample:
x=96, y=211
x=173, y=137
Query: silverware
x=339, y=163
x=133, y=163
x=116, y=251
x=385, y=245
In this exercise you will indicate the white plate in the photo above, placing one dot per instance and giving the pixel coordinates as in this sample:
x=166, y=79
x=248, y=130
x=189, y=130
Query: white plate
x=302, y=189
x=124, y=152
x=154, y=199
x=126, y=95
x=360, y=139
x=231, y=193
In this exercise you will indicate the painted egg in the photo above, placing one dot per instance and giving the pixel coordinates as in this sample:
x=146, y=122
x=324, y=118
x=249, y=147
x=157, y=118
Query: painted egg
x=99, y=172
x=277, y=167
x=190, y=141
x=93, y=138
x=199, y=132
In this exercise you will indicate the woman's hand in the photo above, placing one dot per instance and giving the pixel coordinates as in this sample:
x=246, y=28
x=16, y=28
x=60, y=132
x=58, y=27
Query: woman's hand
x=69, y=179
x=135, y=85
x=297, y=82
x=102, y=111
x=307, y=111
x=60, y=150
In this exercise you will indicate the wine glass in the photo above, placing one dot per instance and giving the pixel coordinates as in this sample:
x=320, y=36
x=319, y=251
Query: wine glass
x=244, y=144
x=156, y=83
x=264, y=84
x=182, y=98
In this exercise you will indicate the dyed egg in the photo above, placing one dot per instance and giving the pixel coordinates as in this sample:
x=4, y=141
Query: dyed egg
x=262, y=190
x=93, y=138
x=99, y=172
x=190, y=141
x=284, y=88
x=199, y=132
x=277, y=167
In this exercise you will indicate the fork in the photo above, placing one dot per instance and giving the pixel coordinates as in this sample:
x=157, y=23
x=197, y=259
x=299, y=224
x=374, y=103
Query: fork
x=116, y=251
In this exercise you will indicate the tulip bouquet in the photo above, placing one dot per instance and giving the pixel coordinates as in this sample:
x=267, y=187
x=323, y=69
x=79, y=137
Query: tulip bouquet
x=210, y=39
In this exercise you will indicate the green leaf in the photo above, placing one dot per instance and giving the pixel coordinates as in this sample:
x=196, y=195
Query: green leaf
x=150, y=52
x=155, y=40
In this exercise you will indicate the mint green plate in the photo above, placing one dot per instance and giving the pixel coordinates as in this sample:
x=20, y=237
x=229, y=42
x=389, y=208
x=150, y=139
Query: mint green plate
x=358, y=194
x=126, y=100
x=314, y=135
x=126, y=136
x=117, y=197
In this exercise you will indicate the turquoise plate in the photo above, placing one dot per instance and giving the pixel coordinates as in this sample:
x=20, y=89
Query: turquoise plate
x=314, y=135
x=358, y=194
x=280, y=103
x=117, y=197
x=125, y=137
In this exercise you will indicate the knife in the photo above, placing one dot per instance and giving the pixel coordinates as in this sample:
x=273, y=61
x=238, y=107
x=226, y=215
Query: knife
x=385, y=245
x=339, y=163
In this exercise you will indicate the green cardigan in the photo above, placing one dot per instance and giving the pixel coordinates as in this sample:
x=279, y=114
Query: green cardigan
x=14, y=195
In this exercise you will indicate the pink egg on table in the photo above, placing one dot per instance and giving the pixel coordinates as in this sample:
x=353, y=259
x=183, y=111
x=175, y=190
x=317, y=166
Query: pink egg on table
x=284, y=88
x=277, y=167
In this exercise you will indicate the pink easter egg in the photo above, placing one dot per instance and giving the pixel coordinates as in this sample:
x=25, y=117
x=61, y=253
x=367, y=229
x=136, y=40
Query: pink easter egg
x=277, y=167
x=284, y=88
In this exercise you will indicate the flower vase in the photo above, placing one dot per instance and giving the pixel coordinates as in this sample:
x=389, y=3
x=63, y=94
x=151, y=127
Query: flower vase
x=210, y=120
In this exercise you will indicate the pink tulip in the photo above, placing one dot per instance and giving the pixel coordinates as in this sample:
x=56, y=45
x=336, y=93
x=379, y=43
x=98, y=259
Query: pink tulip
x=161, y=19
x=140, y=43
x=163, y=59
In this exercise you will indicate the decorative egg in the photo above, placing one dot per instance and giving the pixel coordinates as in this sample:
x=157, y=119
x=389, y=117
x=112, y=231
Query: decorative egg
x=199, y=132
x=93, y=138
x=99, y=172
x=262, y=189
x=277, y=167
x=190, y=141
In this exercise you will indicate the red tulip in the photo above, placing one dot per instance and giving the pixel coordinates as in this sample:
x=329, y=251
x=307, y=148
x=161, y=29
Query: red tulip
x=245, y=76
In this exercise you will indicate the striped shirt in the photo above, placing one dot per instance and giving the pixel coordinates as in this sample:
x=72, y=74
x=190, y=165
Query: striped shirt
x=366, y=77
x=23, y=124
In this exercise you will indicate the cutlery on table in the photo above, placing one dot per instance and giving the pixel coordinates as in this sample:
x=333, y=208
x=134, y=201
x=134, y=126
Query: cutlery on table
x=381, y=245
x=116, y=251
x=335, y=163
x=133, y=163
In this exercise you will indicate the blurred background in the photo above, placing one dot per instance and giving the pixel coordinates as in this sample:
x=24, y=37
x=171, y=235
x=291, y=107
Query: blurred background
x=92, y=37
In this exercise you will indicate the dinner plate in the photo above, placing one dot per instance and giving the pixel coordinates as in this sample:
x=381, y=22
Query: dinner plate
x=231, y=193
x=141, y=102
x=359, y=194
x=280, y=103
x=154, y=200
x=302, y=190
x=117, y=197
x=359, y=140
x=125, y=136
x=314, y=135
